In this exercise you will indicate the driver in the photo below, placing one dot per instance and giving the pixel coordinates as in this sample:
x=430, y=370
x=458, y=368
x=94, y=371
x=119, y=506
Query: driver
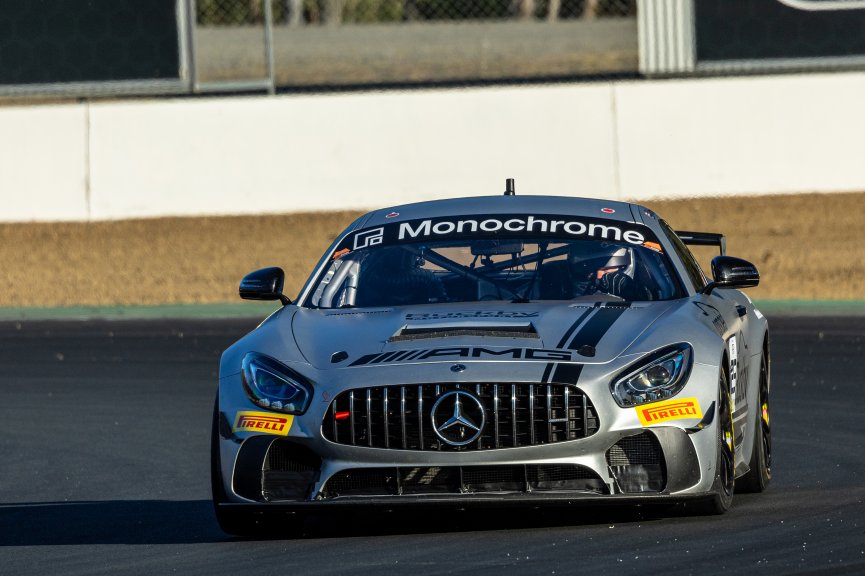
x=602, y=267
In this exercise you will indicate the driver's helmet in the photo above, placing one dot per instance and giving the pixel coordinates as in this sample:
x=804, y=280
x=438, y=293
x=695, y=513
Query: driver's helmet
x=586, y=257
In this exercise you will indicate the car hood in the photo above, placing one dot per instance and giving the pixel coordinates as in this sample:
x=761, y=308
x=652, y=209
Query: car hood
x=582, y=332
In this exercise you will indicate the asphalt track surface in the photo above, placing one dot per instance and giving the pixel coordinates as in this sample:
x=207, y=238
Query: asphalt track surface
x=104, y=470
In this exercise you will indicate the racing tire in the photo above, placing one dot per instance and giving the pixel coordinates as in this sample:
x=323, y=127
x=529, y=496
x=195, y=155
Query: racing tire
x=724, y=484
x=758, y=477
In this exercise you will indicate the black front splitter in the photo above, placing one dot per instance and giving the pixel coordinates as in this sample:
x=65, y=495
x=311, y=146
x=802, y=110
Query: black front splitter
x=464, y=501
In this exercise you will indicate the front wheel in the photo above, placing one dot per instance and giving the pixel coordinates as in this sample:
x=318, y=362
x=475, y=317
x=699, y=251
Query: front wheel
x=757, y=479
x=724, y=482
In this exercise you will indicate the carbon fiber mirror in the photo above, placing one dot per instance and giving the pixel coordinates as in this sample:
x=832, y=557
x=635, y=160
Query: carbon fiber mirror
x=264, y=284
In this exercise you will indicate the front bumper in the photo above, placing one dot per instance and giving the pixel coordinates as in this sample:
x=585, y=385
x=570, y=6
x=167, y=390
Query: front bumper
x=624, y=461
x=659, y=462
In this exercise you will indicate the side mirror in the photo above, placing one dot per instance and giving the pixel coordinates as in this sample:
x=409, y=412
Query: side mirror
x=264, y=284
x=730, y=272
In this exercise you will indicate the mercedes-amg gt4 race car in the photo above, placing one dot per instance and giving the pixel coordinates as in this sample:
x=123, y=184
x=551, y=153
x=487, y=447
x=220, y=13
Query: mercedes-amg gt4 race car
x=497, y=350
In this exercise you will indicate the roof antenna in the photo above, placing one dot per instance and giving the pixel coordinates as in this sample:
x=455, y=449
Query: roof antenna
x=510, y=189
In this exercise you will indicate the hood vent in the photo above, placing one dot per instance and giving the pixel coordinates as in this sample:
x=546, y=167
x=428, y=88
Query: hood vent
x=497, y=330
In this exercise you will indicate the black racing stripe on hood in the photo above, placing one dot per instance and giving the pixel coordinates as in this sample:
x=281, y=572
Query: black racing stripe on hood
x=573, y=327
x=599, y=325
x=567, y=373
x=590, y=335
x=548, y=370
x=567, y=334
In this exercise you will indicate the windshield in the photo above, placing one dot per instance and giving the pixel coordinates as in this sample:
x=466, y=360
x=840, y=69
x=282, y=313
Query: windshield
x=517, y=269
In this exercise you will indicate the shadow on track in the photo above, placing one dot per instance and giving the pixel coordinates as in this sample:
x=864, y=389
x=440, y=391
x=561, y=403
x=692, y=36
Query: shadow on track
x=108, y=522
x=189, y=522
x=351, y=523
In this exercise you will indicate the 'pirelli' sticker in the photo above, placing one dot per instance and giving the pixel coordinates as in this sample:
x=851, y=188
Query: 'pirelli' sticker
x=262, y=422
x=678, y=409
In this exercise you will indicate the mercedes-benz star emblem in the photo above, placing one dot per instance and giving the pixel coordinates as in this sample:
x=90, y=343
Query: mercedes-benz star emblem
x=458, y=418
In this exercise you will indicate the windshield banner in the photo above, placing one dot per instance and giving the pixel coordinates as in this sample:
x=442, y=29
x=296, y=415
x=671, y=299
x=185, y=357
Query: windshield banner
x=499, y=226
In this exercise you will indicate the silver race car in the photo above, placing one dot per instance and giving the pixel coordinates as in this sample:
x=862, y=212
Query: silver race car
x=497, y=350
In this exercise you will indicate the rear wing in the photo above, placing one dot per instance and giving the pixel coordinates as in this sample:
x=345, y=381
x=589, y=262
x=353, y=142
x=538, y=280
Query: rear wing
x=703, y=239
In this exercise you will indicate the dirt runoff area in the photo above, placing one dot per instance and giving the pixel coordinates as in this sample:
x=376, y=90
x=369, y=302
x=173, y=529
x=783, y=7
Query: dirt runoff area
x=808, y=246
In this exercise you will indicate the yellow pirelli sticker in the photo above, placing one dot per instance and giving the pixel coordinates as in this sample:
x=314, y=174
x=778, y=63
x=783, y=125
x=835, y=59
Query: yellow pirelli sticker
x=678, y=409
x=262, y=422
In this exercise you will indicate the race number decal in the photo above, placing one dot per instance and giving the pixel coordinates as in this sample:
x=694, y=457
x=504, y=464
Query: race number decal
x=734, y=370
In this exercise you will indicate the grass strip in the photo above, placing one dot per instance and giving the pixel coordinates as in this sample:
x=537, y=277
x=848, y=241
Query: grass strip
x=811, y=307
x=226, y=310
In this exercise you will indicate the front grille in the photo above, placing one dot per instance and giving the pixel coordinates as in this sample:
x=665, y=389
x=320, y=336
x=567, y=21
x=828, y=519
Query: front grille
x=398, y=417
x=431, y=480
x=640, y=449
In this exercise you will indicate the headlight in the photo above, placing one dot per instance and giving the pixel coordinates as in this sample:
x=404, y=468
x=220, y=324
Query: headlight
x=658, y=377
x=271, y=384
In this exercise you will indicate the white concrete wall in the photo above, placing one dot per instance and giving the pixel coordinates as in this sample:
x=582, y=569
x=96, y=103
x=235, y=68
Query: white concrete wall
x=253, y=155
x=753, y=135
x=43, y=163
x=628, y=140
